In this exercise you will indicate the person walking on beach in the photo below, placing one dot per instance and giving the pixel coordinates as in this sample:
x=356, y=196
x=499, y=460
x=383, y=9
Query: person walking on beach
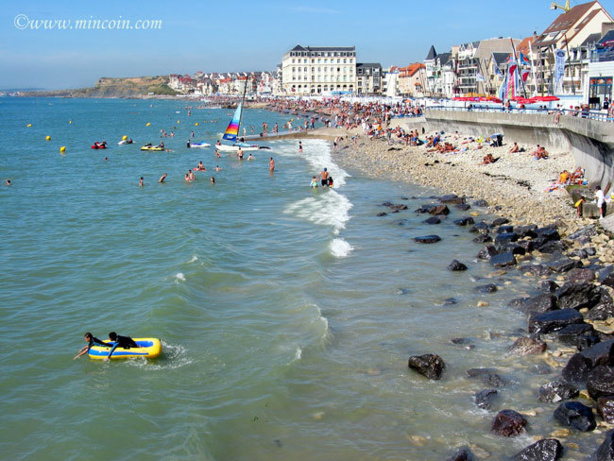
x=600, y=199
x=91, y=341
x=271, y=164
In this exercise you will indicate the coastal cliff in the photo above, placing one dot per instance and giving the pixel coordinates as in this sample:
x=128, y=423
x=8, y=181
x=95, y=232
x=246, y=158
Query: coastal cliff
x=106, y=87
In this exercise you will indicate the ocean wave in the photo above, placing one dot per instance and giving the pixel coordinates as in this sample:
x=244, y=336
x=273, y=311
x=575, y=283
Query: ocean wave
x=179, y=277
x=339, y=248
x=327, y=209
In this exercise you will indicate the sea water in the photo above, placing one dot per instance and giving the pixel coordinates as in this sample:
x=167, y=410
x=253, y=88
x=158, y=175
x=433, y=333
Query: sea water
x=286, y=313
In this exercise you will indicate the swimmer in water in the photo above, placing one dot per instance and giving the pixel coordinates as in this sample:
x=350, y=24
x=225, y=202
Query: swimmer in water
x=217, y=168
x=212, y=180
x=162, y=178
x=141, y=182
x=314, y=182
x=250, y=157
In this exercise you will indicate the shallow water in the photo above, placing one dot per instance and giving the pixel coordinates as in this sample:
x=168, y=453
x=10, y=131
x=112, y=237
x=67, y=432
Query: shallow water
x=287, y=314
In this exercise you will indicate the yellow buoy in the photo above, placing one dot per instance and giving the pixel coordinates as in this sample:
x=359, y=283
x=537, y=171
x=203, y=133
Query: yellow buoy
x=48, y=138
x=178, y=121
x=148, y=124
x=62, y=149
x=124, y=138
x=196, y=124
x=70, y=122
x=29, y=125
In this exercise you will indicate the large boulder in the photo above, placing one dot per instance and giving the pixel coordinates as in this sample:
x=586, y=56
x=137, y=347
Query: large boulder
x=457, y=266
x=544, y=450
x=577, y=296
x=462, y=454
x=463, y=222
x=605, y=408
x=603, y=310
x=503, y=260
x=509, y=423
x=539, y=304
x=427, y=239
x=570, y=334
x=487, y=252
x=556, y=391
x=606, y=276
x=605, y=452
x=600, y=382
x=600, y=354
x=527, y=346
x=576, y=415
x=429, y=365
x=577, y=369
x=562, y=264
x=488, y=376
x=554, y=320
x=452, y=199
x=580, y=275
x=488, y=288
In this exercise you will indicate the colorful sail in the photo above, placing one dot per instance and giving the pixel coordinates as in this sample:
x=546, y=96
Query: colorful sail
x=232, y=131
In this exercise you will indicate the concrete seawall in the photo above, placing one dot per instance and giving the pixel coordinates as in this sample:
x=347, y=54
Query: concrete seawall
x=590, y=142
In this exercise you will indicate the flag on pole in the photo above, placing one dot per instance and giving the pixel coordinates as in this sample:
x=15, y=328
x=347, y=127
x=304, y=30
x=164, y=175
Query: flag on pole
x=524, y=74
x=523, y=59
x=512, y=75
x=479, y=77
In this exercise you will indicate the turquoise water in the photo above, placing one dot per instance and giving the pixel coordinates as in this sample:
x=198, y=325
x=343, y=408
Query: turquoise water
x=287, y=314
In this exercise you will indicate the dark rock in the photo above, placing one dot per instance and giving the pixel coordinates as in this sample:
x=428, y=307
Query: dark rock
x=500, y=222
x=463, y=207
x=580, y=276
x=483, y=238
x=604, y=309
x=484, y=399
x=397, y=208
x=576, y=415
x=505, y=230
x=526, y=231
x=428, y=239
x=563, y=264
x=429, y=365
x=606, y=276
x=502, y=260
x=540, y=304
x=480, y=227
x=379, y=215
x=548, y=233
x=549, y=286
x=605, y=452
x=425, y=209
x=583, y=235
x=433, y=220
x=505, y=247
x=557, y=390
x=544, y=450
x=480, y=203
x=600, y=354
x=576, y=370
x=503, y=239
x=548, y=247
x=462, y=454
x=490, y=288
x=486, y=376
x=450, y=301
x=527, y=346
x=467, y=221
x=487, y=252
x=452, y=199
x=554, y=320
x=576, y=296
x=508, y=423
x=526, y=245
x=440, y=210
x=534, y=269
x=605, y=408
x=518, y=304
x=457, y=266
x=460, y=341
x=600, y=382
x=569, y=335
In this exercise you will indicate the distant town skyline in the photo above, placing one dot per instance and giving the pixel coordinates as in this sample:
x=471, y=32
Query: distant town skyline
x=66, y=45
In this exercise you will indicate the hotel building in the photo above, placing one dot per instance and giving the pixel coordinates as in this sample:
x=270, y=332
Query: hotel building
x=315, y=70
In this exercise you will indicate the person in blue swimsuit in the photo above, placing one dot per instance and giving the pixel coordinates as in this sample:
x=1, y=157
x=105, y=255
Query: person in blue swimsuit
x=91, y=341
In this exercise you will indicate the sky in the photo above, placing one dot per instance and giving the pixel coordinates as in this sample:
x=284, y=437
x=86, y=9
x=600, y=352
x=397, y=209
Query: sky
x=232, y=36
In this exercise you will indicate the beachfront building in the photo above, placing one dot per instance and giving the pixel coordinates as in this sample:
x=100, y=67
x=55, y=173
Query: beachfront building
x=568, y=36
x=601, y=72
x=476, y=72
x=316, y=70
x=368, y=78
x=412, y=80
x=390, y=82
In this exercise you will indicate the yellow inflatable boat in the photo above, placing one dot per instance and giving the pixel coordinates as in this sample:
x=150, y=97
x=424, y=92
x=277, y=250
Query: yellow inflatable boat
x=152, y=148
x=150, y=349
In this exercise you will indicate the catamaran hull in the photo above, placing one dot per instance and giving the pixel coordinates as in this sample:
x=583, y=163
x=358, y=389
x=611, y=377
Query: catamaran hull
x=225, y=148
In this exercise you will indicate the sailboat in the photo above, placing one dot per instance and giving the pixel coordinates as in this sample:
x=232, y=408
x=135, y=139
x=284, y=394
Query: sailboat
x=232, y=133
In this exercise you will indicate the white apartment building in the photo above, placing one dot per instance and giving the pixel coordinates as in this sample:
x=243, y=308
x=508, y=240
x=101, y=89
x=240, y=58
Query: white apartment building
x=315, y=70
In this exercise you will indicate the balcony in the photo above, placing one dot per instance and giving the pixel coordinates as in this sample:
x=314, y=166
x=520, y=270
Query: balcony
x=604, y=55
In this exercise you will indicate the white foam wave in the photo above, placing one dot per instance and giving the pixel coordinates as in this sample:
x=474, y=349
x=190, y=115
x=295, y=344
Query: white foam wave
x=328, y=209
x=339, y=248
x=173, y=356
x=179, y=277
x=193, y=260
x=318, y=154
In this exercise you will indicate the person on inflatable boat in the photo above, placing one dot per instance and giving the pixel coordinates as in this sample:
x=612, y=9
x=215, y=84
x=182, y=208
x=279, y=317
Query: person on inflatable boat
x=125, y=342
x=91, y=341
